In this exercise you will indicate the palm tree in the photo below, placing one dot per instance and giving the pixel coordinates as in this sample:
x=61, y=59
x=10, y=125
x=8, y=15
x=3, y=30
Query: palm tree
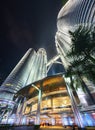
x=83, y=43
x=69, y=73
x=74, y=72
x=82, y=57
x=83, y=51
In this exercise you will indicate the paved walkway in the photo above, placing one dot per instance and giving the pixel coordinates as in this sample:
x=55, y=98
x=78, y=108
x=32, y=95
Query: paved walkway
x=55, y=128
x=32, y=128
x=62, y=128
x=43, y=128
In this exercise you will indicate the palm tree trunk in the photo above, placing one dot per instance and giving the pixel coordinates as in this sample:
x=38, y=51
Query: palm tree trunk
x=74, y=91
x=75, y=109
x=86, y=88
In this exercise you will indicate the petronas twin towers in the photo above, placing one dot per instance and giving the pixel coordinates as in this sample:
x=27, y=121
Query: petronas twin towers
x=31, y=67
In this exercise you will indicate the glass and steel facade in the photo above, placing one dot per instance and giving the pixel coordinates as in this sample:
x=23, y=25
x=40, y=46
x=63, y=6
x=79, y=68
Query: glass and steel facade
x=73, y=14
x=70, y=17
x=55, y=103
x=31, y=67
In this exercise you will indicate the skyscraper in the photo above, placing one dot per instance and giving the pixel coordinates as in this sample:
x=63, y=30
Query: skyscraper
x=70, y=17
x=76, y=13
x=31, y=67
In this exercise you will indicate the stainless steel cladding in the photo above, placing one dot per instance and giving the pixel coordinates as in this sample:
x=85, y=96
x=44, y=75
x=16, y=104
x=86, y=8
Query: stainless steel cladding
x=31, y=67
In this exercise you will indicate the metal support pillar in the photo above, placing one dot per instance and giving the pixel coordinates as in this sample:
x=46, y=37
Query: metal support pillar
x=37, y=122
x=38, y=109
x=2, y=115
x=77, y=114
x=20, y=111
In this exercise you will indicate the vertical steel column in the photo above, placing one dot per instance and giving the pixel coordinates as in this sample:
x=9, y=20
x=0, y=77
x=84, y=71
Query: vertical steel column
x=77, y=114
x=38, y=109
x=37, y=121
x=20, y=112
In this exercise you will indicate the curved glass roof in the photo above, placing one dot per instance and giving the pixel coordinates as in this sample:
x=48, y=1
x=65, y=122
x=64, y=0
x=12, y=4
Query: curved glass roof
x=47, y=85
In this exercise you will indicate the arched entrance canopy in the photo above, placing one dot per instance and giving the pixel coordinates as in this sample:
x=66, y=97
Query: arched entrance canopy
x=48, y=84
x=47, y=97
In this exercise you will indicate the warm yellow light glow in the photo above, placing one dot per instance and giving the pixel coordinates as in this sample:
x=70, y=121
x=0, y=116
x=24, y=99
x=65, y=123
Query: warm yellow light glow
x=34, y=107
x=61, y=101
x=9, y=84
x=27, y=110
x=46, y=104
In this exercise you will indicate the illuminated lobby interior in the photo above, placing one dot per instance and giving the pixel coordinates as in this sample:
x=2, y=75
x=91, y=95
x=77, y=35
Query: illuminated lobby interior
x=55, y=103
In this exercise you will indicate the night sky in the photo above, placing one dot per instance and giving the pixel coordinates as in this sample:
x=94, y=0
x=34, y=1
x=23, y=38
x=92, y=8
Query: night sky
x=26, y=24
